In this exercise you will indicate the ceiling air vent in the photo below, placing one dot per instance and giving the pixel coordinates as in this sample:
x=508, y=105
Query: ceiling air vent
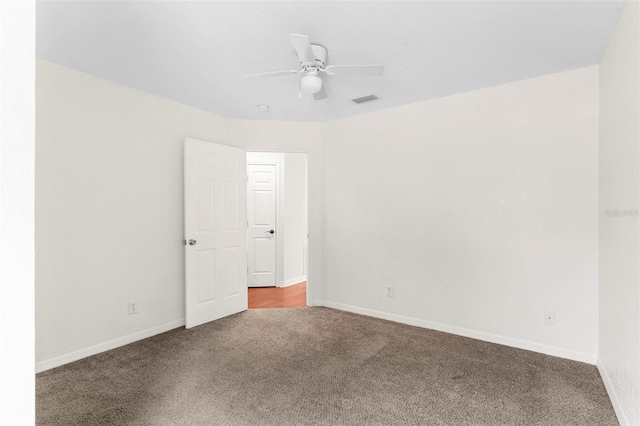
x=364, y=99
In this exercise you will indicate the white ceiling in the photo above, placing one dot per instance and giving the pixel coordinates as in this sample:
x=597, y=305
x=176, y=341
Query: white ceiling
x=197, y=52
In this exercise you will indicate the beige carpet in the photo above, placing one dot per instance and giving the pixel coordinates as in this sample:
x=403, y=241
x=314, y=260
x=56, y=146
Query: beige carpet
x=318, y=366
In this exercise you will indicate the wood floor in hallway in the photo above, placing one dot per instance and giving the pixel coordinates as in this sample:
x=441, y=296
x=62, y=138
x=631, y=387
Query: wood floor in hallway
x=278, y=297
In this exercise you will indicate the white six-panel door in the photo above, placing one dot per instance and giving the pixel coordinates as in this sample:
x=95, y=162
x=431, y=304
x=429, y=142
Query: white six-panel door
x=261, y=214
x=215, y=231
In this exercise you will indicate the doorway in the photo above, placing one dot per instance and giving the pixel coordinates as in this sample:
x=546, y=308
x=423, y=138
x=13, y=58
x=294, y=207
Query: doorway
x=293, y=296
x=277, y=229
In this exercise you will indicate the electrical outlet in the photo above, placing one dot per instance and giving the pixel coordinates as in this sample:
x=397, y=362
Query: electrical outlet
x=389, y=291
x=133, y=308
x=549, y=317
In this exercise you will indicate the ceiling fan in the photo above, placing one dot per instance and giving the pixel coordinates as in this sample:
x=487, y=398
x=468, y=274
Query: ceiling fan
x=312, y=63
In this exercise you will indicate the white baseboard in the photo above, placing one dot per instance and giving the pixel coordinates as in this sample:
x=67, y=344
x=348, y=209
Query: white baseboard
x=102, y=347
x=293, y=281
x=479, y=335
x=617, y=407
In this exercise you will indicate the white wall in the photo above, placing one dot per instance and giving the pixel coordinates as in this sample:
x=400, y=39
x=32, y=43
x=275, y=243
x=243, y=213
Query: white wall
x=479, y=208
x=295, y=217
x=109, y=213
x=619, y=355
x=17, y=143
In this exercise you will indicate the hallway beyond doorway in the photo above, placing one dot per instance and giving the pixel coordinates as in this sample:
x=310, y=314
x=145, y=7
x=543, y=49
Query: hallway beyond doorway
x=278, y=297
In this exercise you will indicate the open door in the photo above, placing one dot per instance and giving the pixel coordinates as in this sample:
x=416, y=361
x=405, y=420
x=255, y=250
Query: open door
x=215, y=231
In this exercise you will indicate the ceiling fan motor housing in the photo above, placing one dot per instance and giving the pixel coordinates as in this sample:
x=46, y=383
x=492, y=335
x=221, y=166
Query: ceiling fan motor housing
x=320, y=53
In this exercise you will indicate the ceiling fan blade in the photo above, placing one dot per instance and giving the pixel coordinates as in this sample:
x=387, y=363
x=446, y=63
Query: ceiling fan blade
x=322, y=94
x=303, y=47
x=271, y=74
x=354, y=69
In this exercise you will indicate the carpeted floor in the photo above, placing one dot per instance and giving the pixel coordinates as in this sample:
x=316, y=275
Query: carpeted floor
x=318, y=366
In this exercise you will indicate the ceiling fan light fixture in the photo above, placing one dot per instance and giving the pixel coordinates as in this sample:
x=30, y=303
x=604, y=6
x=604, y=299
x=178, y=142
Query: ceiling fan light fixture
x=310, y=84
x=312, y=59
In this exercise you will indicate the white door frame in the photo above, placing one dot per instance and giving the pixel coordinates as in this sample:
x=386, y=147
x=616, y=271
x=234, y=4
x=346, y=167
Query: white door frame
x=274, y=159
x=315, y=219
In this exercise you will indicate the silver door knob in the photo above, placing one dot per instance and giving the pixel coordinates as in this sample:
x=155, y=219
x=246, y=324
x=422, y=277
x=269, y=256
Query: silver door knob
x=192, y=242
